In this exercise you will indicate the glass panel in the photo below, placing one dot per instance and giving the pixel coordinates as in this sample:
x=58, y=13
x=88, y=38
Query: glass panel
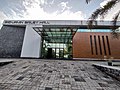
x=52, y=30
x=47, y=30
x=94, y=30
x=59, y=39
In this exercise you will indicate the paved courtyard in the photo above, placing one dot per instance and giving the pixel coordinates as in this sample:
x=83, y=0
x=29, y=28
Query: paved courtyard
x=54, y=75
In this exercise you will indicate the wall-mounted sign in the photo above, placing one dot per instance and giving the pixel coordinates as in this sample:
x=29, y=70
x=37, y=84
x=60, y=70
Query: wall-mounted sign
x=26, y=22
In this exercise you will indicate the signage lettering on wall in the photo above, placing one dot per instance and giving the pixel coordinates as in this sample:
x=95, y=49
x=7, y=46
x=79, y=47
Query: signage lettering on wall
x=26, y=22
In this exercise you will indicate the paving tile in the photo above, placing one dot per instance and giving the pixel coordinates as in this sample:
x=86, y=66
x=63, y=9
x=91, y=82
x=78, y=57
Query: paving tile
x=103, y=84
x=48, y=88
x=79, y=79
x=20, y=78
x=54, y=75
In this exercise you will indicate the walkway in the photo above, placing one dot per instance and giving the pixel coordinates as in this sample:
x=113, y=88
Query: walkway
x=54, y=75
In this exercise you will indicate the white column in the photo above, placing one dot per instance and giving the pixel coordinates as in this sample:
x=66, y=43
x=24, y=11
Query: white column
x=32, y=43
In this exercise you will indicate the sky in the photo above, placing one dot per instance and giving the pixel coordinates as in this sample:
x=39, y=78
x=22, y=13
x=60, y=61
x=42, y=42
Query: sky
x=51, y=9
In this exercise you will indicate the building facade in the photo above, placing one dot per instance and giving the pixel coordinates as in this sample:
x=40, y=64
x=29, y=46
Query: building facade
x=95, y=45
x=56, y=39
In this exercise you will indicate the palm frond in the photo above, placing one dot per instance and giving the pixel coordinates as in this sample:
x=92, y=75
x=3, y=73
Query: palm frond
x=102, y=11
x=87, y=1
x=114, y=33
x=108, y=6
x=115, y=20
x=91, y=23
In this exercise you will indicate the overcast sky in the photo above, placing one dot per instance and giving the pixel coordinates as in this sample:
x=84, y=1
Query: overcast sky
x=50, y=9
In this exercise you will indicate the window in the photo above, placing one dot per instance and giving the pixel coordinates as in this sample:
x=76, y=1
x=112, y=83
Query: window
x=95, y=45
x=108, y=45
x=91, y=44
x=100, y=45
x=104, y=45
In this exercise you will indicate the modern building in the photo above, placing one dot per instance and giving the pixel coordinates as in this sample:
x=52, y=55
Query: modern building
x=57, y=39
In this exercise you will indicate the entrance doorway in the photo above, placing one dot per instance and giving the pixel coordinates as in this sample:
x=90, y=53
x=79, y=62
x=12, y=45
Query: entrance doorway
x=59, y=51
x=56, y=41
x=49, y=53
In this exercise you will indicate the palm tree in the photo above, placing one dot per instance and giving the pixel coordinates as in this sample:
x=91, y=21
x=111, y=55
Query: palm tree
x=102, y=11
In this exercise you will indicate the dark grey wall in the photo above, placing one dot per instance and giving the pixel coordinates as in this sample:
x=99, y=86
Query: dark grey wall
x=11, y=40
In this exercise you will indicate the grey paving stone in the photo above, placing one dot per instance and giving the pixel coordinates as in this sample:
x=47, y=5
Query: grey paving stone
x=48, y=88
x=54, y=75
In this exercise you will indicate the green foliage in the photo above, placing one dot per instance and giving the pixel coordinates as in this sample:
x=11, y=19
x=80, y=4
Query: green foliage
x=101, y=12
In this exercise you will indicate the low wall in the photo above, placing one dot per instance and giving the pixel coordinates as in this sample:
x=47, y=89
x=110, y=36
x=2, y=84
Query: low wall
x=110, y=70
x=4, y=62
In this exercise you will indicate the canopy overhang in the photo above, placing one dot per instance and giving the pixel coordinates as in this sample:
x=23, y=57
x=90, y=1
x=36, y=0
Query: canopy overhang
x=63, y=33
x=56, y=34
